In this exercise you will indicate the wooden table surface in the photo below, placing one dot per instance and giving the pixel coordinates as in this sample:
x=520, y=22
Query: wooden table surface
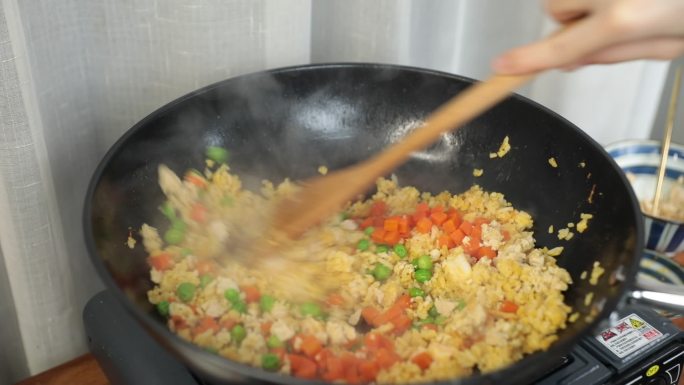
x=85, y=370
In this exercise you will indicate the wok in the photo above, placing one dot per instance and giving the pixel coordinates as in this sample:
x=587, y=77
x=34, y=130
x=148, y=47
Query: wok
x=287, y=122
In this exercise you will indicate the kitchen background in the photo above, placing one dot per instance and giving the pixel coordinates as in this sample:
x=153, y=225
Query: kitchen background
x=75, y=74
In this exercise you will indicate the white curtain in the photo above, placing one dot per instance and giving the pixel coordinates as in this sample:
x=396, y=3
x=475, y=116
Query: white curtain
x=75, y=74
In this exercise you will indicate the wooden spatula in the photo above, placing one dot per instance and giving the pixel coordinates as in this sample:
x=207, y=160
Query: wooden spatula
x=322, y=196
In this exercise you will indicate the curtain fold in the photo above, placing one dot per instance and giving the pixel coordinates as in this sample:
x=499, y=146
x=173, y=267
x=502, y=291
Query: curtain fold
x=75, y=74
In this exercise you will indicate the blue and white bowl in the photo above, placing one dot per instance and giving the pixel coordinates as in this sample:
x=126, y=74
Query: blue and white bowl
x=656, y=267
x=640, y=159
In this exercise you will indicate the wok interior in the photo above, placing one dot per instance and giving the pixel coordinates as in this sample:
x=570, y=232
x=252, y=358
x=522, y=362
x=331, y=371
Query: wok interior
x=289, y=122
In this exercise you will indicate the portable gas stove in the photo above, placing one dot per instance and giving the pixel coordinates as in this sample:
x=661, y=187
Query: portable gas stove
x=640, y=347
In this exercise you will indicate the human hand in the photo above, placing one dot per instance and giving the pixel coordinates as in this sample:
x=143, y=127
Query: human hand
x=601, y=32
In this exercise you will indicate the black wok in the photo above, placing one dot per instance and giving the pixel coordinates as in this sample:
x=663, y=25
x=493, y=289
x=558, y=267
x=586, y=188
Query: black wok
x=287, y=122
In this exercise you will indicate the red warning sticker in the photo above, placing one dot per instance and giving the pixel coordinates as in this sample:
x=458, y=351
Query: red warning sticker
x=628, y=335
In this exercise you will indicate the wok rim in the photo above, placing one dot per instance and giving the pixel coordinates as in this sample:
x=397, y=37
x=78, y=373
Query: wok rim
x=174, y=344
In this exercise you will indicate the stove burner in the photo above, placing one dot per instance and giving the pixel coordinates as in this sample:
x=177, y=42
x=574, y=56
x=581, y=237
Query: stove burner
x=129, y=356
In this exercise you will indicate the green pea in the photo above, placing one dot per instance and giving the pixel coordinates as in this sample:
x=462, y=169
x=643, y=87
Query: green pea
x=461, y=304
x=163, y=308
x=369, y=230
x=400, y=250
x=227, y=201
x=217, y=154
x=174, y=236
x=238, y=333
x=363, y=245
x=424, y=262
x=428, y=320
x=344, y=216
x=270, y=362
x=179, y=225
x=381, y=249
x=274, y=342
x=310, y=309
x=168, y=210
x=266, y=303
x=433, y=312
x=240, y=307
x=423, y=275
x=416, y=292
x=185, y=252
x=205, y=279
x=232, y=295
x=440, y=320
x=186, y=291
x=381, y=272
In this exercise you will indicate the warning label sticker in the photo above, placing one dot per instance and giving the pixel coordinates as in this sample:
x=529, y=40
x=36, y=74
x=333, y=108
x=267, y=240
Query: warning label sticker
x=628, y=335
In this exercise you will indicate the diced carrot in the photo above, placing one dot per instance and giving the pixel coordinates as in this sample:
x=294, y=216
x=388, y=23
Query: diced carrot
x=280, y=352
x=322, y=357
x=370, y=314
x=508, y=306
x=404, y=225
x=438, y=217
x=391, y=238
x=423, y=360
x=437, y=209
x=368, y=222
x=424, y=225
x=431, y=326
x=403, y=301
x=302, y=367
x=228, y=324
x=401, y=324
x=335, y=299
x=252, y=293
x=378, y=208
x=471, y=246
x=161, y=261
x=422, y=208
x=449, y=226
x=378, y=235
x=375, y=341
x=198, y=213
x=266, y=328
x=351, y=365
x=391, y=224
x=480, y=221
x=310, y=345
x=378, y=222
x=466, y=227
x=204, y=324
x=385, y=358
x=390, y=314
x=486, y=252
x=446, y=241
x=476, y=232
x=457, y=236
x=178, y=322
x=506, y=235
x=195, y=179
x=368, y=370
x=334, y=369
x=205, y=266
x=454, y=216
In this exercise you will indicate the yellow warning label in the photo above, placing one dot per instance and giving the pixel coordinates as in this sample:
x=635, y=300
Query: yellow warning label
x=636, y=324
x=652, y=370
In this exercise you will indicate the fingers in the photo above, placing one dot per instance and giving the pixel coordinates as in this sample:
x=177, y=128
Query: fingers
x=567, y=10
x=559, y=50
x=664, y=48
